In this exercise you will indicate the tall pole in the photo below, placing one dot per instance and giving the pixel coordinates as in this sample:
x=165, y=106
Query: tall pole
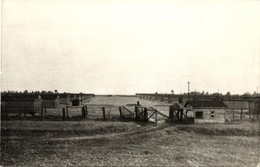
x=188, y=90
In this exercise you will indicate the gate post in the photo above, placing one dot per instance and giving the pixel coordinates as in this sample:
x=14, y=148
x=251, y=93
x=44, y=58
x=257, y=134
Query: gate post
x=63, y=114
x=181, y=112
x=170, y=113
x=104, y=113
x=136, y=113
x=145, y=118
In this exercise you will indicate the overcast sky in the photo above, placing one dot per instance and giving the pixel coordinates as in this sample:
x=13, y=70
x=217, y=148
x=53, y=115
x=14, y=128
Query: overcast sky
x=126, y=47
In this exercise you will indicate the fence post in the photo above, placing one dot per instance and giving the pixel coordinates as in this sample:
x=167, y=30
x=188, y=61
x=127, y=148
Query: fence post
x=41, y=113
x=249, y=111
x=233, y=113
x=83, y=112
x=67, y=108
x=45, y=111
x=257, y=108
x=86, y=111
x=63, y=114
x=120, y=112
x=104, y=113
x=145, y=114
x=241, y=114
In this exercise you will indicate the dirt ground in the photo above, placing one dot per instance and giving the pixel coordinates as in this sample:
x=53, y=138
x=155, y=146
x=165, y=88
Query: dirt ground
x=114, y=143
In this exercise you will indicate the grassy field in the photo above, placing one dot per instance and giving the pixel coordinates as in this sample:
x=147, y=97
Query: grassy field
x=113, y=143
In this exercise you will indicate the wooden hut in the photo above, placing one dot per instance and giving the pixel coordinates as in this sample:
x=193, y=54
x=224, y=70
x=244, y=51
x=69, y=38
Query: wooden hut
x=50, y=100
x=207, y=111
x=20, y=105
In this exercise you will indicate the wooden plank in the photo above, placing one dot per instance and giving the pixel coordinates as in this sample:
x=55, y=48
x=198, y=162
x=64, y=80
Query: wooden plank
x=160, y=113
x=163, y=105
x=101, y=105
x=127, y=110
x=152, y=114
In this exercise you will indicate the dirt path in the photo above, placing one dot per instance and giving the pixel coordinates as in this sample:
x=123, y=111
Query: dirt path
x=109, y=135
x=88, y=137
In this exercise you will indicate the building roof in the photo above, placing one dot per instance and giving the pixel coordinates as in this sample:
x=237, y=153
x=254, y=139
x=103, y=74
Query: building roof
x=206, y=103
x=17, y=96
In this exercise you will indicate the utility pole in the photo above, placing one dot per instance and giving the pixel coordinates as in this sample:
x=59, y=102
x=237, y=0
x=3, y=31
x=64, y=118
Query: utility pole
x=188, y=90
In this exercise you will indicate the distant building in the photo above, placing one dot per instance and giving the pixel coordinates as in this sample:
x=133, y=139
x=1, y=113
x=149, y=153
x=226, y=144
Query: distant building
x=207, y=111
x=65, y=99
x=50, y=100
x=17, y=104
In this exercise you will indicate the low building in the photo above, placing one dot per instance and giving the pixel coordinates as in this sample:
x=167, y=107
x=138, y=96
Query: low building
x=207, y=111
x=65, y=99
x=14, y=105
x=50, y=100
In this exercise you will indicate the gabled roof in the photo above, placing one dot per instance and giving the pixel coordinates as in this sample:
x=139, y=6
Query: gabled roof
x=206, y=104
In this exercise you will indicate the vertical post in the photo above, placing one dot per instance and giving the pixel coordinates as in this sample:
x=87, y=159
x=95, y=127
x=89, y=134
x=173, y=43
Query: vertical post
x=86, y=111
x=67, y=110
x=249, y=110
x=241, y=114
x=156, y=116
x=145, y=118
x=233, y=113
x=136, y=113
x=41, y=113
x=120, y=112
x=104, y=113
x=63, y=114
x=170, y=112
x=181, y=112
x=45, y=111
x=83, y=112
x=257, y=108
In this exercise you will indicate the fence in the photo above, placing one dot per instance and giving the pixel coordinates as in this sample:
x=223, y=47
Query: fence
x=89, y=112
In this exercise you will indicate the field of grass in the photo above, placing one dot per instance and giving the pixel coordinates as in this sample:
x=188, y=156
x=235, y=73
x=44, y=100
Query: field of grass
x=169, y=146
x=43, y=129
x=113, y=143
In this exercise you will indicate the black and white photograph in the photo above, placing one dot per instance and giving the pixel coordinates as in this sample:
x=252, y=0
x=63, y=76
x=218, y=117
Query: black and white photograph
x=164, y=83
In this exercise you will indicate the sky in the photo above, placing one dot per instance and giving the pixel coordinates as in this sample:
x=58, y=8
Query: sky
x=128, y=47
